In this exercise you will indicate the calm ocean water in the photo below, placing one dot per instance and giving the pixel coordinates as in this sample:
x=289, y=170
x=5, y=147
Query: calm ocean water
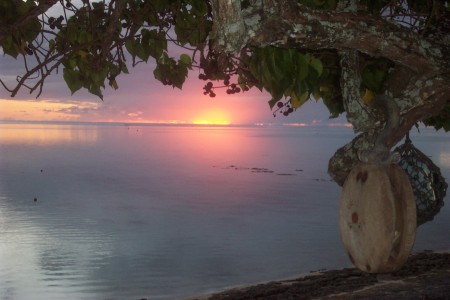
x=166, y=212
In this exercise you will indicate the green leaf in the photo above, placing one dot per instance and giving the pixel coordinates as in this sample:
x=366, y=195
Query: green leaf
x=275, y=57
x=273, y=102
x=123, y=67
x=298, y=100
x=95, y=90
x=302, y=67
x=157, y=73
x=9, y=47
x=331, y=4
x=316, y=64
x=72, y=78
x=70, y=63
x=373, y=78
x=98, y=6
x=335, y=107
x=72, y=34
x=169, y=72
x=316, y=93
x=192, y=24
x=141, y=53
x=185, y=59
x=160, y=4
x=130, y=46
x=446, y=125
x=199, y=7
x=51, y=44
x=154, y=43
x=98, y=78
x=179, y=76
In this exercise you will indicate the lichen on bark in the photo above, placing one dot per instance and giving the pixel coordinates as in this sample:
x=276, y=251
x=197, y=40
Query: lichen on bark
x=229, y=33
x=357, y=112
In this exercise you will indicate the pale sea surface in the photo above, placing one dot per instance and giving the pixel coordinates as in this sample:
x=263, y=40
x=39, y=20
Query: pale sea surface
x=166, y=212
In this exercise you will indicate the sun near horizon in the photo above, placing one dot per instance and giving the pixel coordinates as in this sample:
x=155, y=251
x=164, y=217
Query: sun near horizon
x=140, y=99
x=212, y=117
x=136, y=106
x=31, y=110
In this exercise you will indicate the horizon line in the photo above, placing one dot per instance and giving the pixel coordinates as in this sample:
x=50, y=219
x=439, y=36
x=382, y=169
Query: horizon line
x=119, y=123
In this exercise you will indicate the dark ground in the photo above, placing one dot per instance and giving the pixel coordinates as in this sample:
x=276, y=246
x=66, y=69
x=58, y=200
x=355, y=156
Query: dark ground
x=426, y=275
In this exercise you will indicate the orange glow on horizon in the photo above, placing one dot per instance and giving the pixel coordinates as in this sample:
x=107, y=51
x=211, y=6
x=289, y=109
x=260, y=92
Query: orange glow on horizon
x=139, y=100
x=47, y=110
x=212, y=117
x=158, y=107
x=42, y=110
x=207, y=122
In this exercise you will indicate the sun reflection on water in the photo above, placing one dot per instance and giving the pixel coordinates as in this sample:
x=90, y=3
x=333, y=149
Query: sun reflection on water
x=44, y=134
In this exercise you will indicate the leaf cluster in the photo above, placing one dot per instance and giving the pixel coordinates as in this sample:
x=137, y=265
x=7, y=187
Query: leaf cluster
x=18, y=42
x=296, y=75
x=94, y=41
x=440, y=121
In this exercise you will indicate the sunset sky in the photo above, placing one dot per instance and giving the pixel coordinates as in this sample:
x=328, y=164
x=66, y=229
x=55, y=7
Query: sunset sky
x=141, y=98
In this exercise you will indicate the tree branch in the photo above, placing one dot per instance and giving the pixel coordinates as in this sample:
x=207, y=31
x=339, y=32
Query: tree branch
x=286, y=23
x=432, y=94
x=37, y=68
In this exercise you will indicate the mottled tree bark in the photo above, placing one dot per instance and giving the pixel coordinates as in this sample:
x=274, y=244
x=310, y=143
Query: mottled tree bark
x=230, y=37
x=357, y=112
x=285, y=23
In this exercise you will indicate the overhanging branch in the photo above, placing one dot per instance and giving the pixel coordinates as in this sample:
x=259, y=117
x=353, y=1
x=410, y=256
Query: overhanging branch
x=434, y=93
x=285, y=23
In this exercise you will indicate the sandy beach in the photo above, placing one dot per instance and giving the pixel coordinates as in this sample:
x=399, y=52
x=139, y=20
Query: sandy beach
x=426, y=275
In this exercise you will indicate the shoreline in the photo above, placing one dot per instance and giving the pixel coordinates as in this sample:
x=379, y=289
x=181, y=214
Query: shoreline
x=426, y=275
